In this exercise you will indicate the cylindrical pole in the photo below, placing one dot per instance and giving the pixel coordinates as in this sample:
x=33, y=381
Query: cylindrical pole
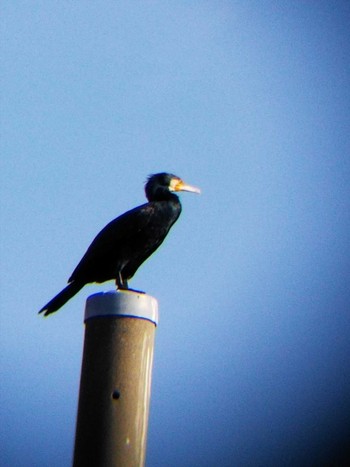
x=115, y=381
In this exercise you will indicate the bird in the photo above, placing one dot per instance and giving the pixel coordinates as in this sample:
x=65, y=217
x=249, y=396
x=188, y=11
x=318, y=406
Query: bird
x=120, y=248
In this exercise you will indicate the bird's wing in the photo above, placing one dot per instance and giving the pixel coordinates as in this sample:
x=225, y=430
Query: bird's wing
x=111, y=245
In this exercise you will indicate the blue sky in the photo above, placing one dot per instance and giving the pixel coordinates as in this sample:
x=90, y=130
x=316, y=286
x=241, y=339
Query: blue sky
x=248, y=100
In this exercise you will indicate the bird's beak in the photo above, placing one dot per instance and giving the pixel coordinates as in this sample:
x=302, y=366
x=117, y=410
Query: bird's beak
x=182, y=186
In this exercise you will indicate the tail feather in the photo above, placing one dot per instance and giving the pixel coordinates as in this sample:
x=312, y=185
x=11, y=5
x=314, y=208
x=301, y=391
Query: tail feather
x=60, y=299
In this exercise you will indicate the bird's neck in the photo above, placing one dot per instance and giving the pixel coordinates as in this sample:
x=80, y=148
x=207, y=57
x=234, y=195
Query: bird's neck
x=164, y=195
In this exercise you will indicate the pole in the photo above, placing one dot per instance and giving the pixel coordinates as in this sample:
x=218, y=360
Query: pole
x=115, y=383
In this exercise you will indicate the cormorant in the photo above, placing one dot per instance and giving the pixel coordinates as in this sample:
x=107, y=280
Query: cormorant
x=127, y=241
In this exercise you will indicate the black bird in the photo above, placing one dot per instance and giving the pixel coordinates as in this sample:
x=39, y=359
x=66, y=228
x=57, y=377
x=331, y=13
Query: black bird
x=126, y=242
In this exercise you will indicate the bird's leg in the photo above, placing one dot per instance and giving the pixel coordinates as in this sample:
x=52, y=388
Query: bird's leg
x=121, y=283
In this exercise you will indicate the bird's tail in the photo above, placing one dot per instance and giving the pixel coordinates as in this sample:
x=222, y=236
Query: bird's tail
x=61, y=298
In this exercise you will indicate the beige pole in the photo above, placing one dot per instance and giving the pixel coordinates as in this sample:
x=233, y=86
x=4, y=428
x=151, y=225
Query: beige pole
x=115, y=381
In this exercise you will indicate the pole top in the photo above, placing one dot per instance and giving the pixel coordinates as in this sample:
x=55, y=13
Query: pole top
x=122, y=303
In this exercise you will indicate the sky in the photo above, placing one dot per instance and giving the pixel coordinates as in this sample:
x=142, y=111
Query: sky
x=250, y=101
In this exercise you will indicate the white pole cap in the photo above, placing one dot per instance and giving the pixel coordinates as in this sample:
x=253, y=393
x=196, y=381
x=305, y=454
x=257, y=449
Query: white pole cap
x=122, y=303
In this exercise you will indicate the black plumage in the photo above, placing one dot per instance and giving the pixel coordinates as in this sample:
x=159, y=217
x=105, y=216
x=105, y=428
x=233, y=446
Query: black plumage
x=126, y=242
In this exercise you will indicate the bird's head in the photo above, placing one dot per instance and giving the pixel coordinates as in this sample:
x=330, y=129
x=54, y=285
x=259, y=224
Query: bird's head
x=161, y=186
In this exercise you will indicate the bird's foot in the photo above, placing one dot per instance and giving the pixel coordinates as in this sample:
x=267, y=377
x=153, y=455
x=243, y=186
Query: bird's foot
x=127, y=289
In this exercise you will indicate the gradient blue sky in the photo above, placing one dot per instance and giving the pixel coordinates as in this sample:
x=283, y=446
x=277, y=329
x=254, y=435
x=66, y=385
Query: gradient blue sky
x=248, y=100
